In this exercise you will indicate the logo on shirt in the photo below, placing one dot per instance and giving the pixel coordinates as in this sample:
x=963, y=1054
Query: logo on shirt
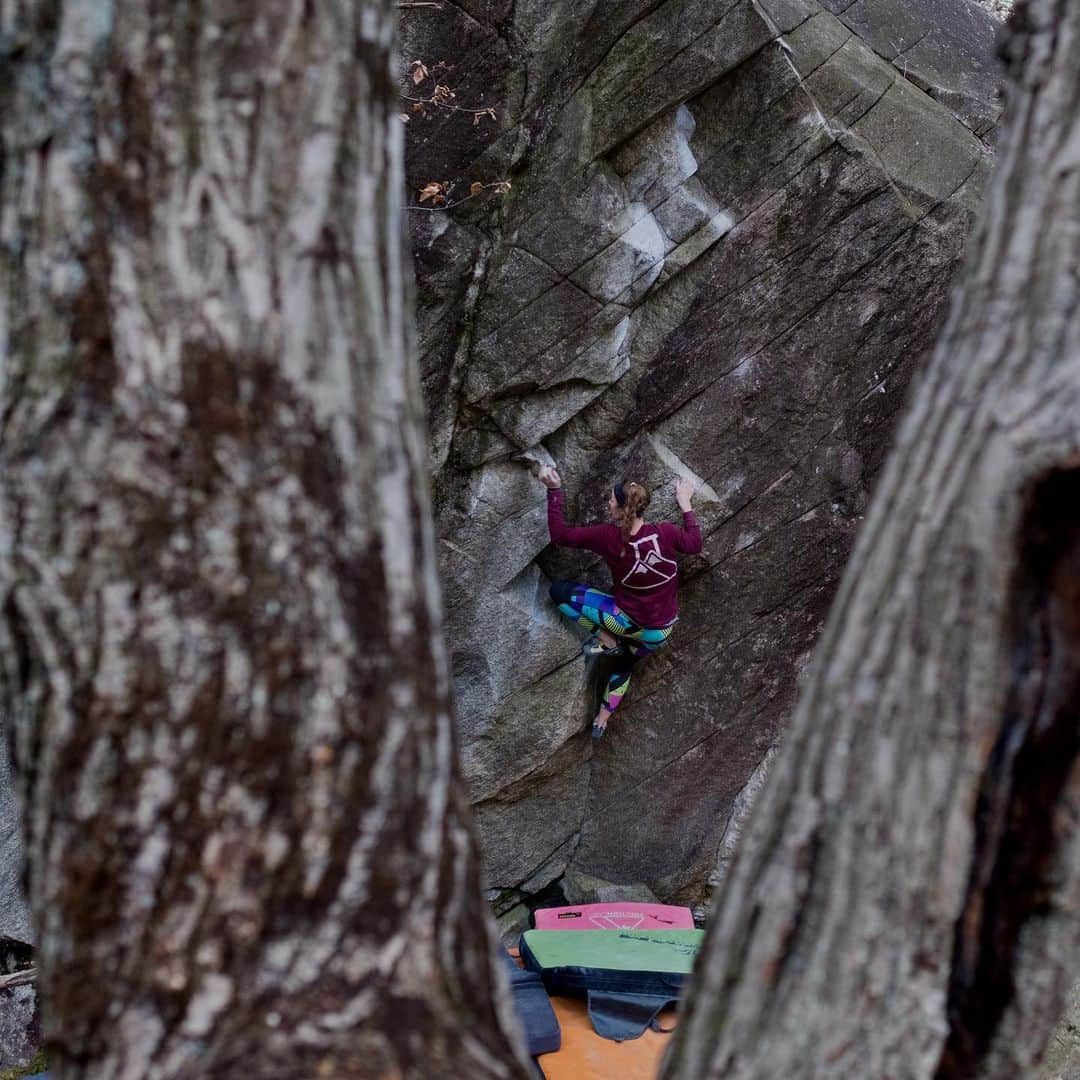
x=650, y=569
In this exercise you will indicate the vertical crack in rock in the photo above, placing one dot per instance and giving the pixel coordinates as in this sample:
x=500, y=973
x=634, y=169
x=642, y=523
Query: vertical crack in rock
x=740, y=813
x=444, y=422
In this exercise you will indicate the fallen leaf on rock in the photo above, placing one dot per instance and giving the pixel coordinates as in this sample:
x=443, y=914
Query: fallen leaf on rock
x=435, y=191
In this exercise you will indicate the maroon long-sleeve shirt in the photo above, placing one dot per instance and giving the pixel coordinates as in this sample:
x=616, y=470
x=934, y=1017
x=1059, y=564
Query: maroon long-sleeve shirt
x=643, y=568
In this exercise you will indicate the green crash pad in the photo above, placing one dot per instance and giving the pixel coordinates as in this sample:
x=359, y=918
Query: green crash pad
x=627, y=976
x=671, y=951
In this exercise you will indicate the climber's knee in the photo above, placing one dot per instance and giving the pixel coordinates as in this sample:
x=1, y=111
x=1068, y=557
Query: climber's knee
x=561, y=591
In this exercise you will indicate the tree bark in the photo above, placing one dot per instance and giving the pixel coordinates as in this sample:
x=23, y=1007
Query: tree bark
x=222, y=652
x=905, y=899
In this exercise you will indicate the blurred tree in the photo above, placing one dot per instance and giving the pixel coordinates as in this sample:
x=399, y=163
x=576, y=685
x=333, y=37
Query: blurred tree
x=249, y=850
x=905, y=899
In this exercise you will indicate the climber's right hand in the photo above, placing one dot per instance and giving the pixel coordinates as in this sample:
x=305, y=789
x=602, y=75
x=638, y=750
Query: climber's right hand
x=684, y=492
x=550, y=478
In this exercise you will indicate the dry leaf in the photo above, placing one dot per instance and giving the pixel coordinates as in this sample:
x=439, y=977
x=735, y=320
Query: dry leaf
x=420, y=73
x=481, y=113
x=433, y=190
x=501, y=186
x=443, y=95
x=475, y=187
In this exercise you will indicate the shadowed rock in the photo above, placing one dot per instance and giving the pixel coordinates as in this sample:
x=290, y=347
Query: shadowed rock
x=20, y=1025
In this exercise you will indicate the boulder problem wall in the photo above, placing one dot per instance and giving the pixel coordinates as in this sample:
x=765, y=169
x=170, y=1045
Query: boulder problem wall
x=727, y=246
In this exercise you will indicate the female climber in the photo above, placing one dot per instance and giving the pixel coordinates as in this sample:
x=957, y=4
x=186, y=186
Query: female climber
x=640, y=616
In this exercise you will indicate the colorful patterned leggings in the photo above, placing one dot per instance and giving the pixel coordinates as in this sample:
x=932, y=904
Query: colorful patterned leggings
x=595, y=610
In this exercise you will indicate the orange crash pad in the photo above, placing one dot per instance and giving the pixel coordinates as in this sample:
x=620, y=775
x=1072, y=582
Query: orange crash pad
x=585, y=1056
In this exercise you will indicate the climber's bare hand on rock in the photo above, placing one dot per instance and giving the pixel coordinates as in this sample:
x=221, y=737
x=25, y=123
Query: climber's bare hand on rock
x=684, y=492
x=550, y=478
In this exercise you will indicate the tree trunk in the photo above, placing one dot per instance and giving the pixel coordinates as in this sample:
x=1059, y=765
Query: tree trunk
x=905, y=899
x=249, y=852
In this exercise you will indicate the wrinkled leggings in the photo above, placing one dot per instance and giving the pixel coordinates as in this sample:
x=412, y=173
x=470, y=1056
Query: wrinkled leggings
x=595, y=610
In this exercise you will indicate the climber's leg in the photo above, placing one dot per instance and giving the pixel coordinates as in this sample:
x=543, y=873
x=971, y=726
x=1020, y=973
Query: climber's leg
x=641, y=642
x=594, y=610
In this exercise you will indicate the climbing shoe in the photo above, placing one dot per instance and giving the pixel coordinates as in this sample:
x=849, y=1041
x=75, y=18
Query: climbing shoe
x=595, y=647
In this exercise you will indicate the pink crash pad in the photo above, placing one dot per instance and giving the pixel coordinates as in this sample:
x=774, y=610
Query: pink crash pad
x=621, y=915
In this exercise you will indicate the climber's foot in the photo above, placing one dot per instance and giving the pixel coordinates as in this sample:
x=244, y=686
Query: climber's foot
x=602, y=644
x=599, y=724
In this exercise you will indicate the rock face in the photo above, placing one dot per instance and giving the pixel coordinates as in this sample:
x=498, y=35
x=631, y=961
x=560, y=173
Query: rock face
x=20, y=1025
x=728, y=243
x=14, y=916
